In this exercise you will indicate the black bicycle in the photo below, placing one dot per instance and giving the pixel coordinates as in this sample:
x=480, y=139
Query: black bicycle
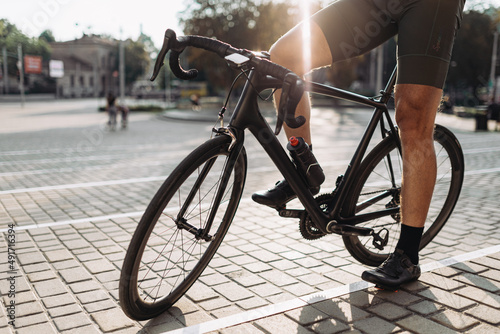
x=190, y=214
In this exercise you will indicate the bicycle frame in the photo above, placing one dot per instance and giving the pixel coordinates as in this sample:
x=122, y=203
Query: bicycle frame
x=247, y=116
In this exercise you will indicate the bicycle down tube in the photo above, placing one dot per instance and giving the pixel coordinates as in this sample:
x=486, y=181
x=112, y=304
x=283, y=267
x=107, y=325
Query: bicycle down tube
x=247, y=115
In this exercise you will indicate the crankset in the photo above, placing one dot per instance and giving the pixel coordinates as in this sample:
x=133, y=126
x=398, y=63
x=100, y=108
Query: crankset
x=306, y=226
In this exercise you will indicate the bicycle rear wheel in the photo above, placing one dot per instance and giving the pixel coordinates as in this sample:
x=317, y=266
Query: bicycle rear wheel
x=181, y=229
x=377, y=188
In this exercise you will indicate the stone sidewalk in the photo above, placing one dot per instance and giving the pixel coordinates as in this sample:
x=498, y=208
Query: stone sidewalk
x=74, y=192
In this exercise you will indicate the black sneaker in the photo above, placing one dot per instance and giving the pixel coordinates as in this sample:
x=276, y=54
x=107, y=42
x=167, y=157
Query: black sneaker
x=278, y=196
x=396, y=270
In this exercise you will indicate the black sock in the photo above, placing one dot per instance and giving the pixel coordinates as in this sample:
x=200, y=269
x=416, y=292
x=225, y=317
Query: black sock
x=409, y=241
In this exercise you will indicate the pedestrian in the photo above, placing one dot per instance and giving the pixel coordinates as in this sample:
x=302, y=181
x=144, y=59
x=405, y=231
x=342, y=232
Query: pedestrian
x=111, y=109
x=347, y=28
x=124, y=111
x=494, y=113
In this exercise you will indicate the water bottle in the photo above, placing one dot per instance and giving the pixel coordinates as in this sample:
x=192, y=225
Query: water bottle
x=305, y=161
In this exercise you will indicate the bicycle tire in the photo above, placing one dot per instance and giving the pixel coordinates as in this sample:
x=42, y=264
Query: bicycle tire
x=163, y=260
x=373, y=179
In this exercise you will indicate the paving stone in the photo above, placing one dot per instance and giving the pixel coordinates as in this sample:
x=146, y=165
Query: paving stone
x=71, y=321
x=64, y=310
x=425, y=307
x=98, y=266
x=361, y=299
x=307, y=315
x=418, y=324
x=20, y=298
x=200, y=292
x=111, y=320
x=485, y=313
x=30, y=320
x=480, y=296
x=278, y=278
x=341, y=310
x=241, y=329
x=252, y=303
x=479, y=282
x=215, y=304
x=41, y=276
x=300, y=289
x=455, y=320
x=280, y=324
x=49, y=288
x=45, y=328
x=59, y=300
x=214, y=279
x=73, y=275
x=232, y=291
x=89, y=329
x=30, y=308
x=85, y=286
x=25, y=259
x=389, y=311
x=329, y=326
x=58, y=255
x=265, y=290
x=484, y=329
x=440, y=281
x=92, y=296
x=99, y=306
x=376, y=325
x=193, y=318
x=455, y=301
x=245, y=278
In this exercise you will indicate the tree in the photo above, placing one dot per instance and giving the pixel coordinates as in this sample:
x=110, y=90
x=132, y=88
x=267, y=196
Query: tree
x=47, y=36
x=11, y=37
x=248, y=24
x=136, y=60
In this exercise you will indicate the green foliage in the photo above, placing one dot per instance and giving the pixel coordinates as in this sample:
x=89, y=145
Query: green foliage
x=136, y=60
x=249, y=24
x=11, y=37
x=48, y=36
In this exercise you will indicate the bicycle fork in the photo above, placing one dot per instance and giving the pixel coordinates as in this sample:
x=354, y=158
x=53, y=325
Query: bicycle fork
x=203, y=233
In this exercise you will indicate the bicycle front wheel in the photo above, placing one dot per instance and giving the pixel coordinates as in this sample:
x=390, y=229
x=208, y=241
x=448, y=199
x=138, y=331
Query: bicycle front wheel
x=378, y=187
x=182, y=229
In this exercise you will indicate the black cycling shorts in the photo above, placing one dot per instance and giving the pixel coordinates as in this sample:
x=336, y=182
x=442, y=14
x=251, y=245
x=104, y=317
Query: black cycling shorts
x=426, y=31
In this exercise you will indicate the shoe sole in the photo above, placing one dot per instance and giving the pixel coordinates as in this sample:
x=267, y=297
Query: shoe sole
x=386, y=288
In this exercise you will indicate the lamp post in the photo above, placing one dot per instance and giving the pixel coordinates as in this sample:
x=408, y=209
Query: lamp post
x=492, y=81
x=20, y=66
x=493, y=13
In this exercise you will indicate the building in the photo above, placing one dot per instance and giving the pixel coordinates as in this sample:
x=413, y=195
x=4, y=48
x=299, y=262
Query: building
x=90, y=66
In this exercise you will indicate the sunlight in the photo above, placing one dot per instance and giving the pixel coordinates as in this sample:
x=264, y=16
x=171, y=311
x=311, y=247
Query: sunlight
x=306, y=35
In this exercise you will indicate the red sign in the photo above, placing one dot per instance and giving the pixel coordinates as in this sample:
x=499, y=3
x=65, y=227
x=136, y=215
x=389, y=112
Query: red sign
x=32, y=64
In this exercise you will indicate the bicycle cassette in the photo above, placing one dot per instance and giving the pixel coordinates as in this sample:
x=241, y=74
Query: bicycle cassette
x=306, y=226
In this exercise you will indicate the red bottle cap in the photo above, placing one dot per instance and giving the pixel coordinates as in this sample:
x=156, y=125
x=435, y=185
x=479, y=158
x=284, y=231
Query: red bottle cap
x=294, y=141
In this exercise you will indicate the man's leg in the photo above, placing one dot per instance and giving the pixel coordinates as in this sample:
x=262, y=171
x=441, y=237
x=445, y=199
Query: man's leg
x=416, y=108
x=300, y=52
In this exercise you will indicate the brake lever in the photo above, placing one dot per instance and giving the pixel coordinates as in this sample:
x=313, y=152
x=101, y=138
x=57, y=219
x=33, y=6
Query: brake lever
x=291, y=94
x=168, y=42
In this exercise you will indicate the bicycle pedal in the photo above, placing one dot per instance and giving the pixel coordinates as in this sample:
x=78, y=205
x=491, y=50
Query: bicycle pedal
x=290, y=213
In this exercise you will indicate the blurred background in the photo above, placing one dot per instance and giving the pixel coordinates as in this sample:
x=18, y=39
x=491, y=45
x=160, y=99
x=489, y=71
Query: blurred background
x=88, y=49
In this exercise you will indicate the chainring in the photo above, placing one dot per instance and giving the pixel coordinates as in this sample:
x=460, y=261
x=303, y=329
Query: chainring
x=306, y=226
